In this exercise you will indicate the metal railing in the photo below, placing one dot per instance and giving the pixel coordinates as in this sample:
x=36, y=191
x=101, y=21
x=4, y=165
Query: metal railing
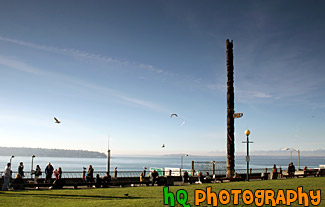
x=79, y=174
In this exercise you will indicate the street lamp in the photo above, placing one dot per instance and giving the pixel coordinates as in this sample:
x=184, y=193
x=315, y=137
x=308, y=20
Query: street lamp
x=11, y=159
x=31, y=171
x=185, y=155
x=247, y=133
x=292, y=149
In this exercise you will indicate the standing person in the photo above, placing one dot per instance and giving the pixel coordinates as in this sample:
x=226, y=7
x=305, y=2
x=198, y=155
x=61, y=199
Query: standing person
x=90, y=175
x=155, y=177
x=21, y=169
x=293, y=169
x=60, y=173
x=49, y=171
x=275, y=172
x=290, y=170
x=7, y=176
x=280, y=172
x=185, y=177
x=84, y=174
x=38, y=173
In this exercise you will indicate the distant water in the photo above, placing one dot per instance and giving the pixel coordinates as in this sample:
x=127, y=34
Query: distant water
x=137, y=163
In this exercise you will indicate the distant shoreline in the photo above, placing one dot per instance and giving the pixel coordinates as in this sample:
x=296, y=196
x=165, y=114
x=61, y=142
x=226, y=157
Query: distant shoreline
x=43, y=152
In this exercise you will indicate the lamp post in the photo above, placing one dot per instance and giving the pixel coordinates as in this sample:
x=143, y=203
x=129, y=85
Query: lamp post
x=185, y=155
x=292, y=149
x=31, y=171
x=247, y=133
x=11, y=159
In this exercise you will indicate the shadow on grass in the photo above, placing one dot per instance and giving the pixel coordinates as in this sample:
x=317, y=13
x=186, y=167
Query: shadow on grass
x=65, y=196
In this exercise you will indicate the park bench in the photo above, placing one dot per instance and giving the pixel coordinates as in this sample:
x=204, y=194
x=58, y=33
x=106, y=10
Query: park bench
x=126, y=181
x=223, y=179
x=310, y=172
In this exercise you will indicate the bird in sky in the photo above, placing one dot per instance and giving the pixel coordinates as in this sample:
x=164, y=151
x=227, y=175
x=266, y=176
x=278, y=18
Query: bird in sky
x=173, y=115
x=163, y=146
x=182, y=124
x=57, y=120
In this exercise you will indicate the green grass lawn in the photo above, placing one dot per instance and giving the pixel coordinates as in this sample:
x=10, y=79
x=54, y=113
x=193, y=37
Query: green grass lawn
x=146, y=196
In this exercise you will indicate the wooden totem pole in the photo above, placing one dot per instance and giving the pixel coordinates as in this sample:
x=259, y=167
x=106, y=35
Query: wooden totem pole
x=230, y=111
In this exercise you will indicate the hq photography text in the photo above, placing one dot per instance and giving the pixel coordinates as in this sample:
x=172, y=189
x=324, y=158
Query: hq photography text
x=258, y=197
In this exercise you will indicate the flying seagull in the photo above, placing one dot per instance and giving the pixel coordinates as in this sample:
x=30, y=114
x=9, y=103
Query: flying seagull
x=173, y=115
x=163, y=146
x=57, y=120
x=182, y=124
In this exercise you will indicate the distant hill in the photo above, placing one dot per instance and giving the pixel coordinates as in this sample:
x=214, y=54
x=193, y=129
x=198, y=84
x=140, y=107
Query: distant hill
x=41, y=152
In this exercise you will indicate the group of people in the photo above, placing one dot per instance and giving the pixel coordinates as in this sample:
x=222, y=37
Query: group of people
x=49, y=170
x=278, y=173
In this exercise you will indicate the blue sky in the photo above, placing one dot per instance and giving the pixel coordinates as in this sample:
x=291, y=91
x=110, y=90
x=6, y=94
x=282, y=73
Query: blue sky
x=120, y=68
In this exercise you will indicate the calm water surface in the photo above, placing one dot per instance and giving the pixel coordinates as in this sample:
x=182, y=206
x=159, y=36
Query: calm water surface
x=137, y=163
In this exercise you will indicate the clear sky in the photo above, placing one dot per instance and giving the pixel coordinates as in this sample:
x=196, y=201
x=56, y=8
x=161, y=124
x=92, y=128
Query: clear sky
x=120, y=68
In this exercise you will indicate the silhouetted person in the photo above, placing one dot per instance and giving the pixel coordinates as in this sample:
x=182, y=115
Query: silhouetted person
x=21, y=169
x=6, y=177
x=98, y=182
x=141, y=177
x=293, y=169
x=19, y=183
x=275, y=172
x=38, y=173
x=84, y=174
x=200, y=177
x=60, y=173
x=90, y=175
x=236, y=175
x=56, y=174
x=48, y=171
x=185, y=177
x=155, y=177
x=207, y=176
x=106, y=180
x=280, y=172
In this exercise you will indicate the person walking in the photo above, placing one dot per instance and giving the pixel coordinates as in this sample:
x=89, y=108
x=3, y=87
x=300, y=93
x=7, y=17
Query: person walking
x=49, y=171
x=6, y=177
x=21, y=169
